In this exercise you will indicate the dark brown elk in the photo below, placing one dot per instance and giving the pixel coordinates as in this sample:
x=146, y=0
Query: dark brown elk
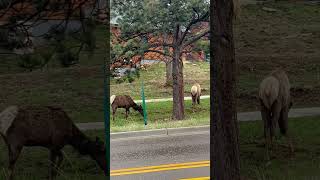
x=125, y=102
x=275, y=101
x=48, y=127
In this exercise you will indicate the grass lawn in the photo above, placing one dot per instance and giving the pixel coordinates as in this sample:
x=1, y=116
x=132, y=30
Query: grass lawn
x=288, y=38
x=78, y=90
x=154, y=81
x=303, y=165
x=33, y=163
x=159, y=116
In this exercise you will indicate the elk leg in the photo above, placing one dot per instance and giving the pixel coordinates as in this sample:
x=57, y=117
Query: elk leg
x=53, y=165
x=193, y=102
x=60, y=158
x=53, y=158
x=276, y=112
x=283, y=125
x=114, y=110
x=14, y=152
x=265, y=114
x=127, y=109
x=198, y=99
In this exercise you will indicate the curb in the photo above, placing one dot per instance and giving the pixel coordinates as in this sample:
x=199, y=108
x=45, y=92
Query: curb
x=159, y=132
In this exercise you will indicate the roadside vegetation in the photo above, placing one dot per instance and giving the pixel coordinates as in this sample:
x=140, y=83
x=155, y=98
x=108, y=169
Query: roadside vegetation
x=159, y=116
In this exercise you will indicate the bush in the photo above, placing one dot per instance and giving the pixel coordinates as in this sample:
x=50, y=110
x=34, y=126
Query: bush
x=130, y=76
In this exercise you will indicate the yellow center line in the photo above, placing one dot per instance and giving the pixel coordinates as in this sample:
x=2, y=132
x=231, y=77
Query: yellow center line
x=198, y=178
x=160, y=166
x=165, y=167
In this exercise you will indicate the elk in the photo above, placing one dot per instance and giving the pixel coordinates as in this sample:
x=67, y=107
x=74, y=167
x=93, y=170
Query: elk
x=49, y=127
x=275, y=103
x=126, y=102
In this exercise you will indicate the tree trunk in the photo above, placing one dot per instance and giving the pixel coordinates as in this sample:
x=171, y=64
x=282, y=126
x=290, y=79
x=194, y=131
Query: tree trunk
x=168, y=73
x=178, y=86
x=224, y=130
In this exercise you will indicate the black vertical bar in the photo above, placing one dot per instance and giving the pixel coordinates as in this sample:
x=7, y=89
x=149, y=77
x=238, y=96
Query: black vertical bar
x=106, y=86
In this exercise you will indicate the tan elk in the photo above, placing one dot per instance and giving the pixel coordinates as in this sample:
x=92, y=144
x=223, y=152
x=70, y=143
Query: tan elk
x=275, y=101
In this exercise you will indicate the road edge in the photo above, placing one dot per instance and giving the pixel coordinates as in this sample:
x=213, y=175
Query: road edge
x=159, y=132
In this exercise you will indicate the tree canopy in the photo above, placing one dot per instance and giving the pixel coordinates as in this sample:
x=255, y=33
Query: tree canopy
x=65, y=28
x=140, y=21
x=163, y=27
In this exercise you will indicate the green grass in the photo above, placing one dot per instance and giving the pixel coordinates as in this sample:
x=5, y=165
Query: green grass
x=33, y=163
x=159, y=116
x=78, y=90
x=303, y=165
x=289, y=39
x=154, y=81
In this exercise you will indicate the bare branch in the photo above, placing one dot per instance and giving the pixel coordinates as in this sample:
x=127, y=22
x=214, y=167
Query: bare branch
x=192, y=22
x=196, y=38
x=37, y=13
x=161, y=45
x=157, y=51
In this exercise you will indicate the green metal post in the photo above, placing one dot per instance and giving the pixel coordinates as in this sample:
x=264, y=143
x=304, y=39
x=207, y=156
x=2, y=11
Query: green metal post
x=144, y=105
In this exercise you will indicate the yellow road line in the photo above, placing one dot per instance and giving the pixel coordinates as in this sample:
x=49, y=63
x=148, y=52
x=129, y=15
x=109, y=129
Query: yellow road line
x=198, y=178
x=161, y=166
x=165, y=167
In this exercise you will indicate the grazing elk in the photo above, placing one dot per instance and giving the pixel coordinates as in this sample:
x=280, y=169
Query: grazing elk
x=48, y=127
x=195, y=94
x=125, y=102
x=275, y=101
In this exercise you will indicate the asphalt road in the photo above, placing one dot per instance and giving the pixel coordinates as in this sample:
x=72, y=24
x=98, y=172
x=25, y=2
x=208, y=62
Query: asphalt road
x=173, y=157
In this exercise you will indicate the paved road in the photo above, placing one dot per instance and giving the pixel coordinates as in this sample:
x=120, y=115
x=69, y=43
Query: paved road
x=174, y=157
x=243, y=116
